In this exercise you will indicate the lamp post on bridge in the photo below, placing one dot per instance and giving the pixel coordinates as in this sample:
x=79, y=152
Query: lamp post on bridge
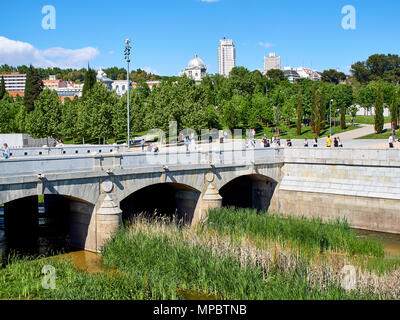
x=128, y=60
x=330, y=117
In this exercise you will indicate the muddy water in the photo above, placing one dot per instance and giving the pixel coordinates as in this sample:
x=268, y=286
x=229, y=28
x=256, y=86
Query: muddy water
x=84, y=260
x=391, y=242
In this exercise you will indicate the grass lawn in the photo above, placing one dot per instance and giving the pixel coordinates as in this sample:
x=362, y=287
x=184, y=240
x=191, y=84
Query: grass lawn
x=384, y=135
x=306, y=132
x=365, y=119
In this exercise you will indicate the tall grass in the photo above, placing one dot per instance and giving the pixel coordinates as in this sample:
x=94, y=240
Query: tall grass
x=161, y=260
x=178, y=260
x=301, y=233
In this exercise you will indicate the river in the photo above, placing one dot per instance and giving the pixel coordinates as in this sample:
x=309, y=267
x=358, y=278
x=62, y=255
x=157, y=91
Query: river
x=51, y=241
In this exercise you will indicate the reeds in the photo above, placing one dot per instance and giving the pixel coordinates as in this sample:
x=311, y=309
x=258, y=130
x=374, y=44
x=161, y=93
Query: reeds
x=305, y=235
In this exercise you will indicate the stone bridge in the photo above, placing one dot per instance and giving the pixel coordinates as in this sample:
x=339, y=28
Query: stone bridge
x=96, y=189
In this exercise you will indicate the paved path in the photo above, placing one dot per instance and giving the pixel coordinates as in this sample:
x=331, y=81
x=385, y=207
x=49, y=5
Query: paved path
x=365, y=129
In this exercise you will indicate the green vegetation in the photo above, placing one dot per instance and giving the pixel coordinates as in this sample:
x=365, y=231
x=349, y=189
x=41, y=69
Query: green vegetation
x=235, y=254
x=306, y=132
x=153, y=261
x=365, y=119
x=384, y=135
x=33, y=88
x=2, y=88
x=303, y=234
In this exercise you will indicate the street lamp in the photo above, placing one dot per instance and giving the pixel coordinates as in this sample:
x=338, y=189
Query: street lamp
x=127, y=58
x=330, y=117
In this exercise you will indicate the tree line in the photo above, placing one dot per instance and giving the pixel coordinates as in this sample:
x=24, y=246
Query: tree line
x=78, y=76
x=243, y=100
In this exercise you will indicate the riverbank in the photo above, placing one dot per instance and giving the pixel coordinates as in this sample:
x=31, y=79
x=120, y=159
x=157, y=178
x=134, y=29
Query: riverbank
x=236, y=254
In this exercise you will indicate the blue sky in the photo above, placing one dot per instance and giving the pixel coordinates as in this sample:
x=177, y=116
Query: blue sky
x=167, y=33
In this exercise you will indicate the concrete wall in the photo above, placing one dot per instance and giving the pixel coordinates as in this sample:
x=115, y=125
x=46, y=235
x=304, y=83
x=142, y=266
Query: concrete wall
x=362, y=186
x=22, y=140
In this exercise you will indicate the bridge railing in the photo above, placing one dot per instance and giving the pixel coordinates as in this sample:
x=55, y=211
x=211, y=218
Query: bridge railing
x=66, y=150
x=90, y=162
x=213, y=157
x=346, y=156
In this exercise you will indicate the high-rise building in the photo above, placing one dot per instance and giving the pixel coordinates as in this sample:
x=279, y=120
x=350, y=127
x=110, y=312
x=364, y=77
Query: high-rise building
x=14, y=81
x=272, y=62
x=226, y=57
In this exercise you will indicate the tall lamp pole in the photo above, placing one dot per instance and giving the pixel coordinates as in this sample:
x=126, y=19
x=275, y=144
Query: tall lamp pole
x=330, y=117
x=127, y=58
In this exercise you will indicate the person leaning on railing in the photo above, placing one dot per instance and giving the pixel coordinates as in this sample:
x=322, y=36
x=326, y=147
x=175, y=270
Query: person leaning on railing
x=6, y=152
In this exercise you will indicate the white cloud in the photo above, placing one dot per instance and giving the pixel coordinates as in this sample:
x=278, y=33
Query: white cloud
x=265, y=44
x=151, y=70
x=14, y=53
x=111, y=52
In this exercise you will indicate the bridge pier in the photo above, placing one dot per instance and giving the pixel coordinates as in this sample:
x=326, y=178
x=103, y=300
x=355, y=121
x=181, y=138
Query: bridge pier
x=210, y=199
x=108, y=220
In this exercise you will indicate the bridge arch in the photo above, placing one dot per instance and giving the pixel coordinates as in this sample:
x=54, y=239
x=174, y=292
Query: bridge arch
x=60, y=223
x=163, y=199
x=252, y=190
x=87, y=191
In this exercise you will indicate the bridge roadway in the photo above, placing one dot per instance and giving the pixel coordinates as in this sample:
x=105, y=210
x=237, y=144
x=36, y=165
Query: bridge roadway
x=361, y=185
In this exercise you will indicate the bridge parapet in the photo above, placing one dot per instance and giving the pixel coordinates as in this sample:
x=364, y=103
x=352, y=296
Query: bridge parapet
x=343, y=156
x=66, y=150
x=95, y=162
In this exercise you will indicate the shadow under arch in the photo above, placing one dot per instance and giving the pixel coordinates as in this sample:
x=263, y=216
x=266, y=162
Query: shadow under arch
x=249, y=191
x=162, y=199
x=28, y=227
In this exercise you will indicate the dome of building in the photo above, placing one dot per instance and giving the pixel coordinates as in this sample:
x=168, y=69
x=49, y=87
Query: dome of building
x=196, y=62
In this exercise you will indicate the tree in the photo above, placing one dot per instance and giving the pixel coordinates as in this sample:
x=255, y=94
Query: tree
x=263, y=107
x=2, y=88
x=44, y=121
x=317, y=113
x=360, y=72
x=90, y=80
x=394, y=108
x=353, y=111
x=378, y=67
x=379, y=120
x=322, y=109
x=276, y=74
x=342, y=117
x=299, y=111
x=33, y=88
x=69, y=118
x=333, y=76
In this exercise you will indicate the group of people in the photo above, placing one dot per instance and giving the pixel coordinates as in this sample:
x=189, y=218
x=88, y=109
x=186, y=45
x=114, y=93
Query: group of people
x=5, y=153
x=337, y=143
x=275, y=142
x=150, y=148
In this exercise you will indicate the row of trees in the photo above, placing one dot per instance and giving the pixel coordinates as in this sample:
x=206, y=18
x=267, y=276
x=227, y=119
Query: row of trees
x=378, y=67
x=78, y=76
x=244, y=100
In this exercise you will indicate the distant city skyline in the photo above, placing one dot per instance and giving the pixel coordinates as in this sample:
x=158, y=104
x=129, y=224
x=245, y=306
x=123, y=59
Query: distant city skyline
x=166, y=34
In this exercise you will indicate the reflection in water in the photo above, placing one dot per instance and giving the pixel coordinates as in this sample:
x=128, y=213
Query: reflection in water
x=390, y=241
x=50, y=239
